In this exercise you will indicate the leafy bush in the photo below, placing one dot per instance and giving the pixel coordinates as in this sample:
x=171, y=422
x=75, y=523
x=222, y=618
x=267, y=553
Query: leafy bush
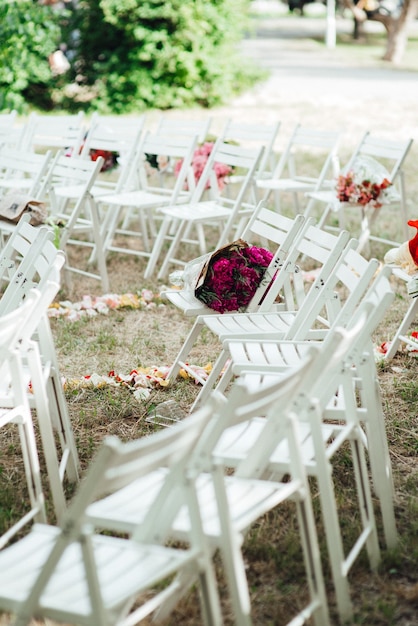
x=28, y=35
x=134, y=54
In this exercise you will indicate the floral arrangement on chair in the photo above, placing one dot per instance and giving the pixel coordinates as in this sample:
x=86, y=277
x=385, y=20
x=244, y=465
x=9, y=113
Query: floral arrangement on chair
x=367, y=184
x=231, y=276
x=110, y=159
x=200, y=158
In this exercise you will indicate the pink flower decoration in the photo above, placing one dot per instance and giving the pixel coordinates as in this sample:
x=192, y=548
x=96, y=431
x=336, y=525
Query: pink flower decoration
x=232, y=277
x=200, y=158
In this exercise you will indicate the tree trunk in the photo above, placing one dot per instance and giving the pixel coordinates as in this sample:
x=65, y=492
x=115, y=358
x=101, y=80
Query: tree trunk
x=396, y=27
x=398, y=37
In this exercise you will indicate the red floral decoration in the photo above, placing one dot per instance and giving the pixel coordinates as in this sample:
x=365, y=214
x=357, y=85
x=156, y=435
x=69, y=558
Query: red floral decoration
x=110, y=159
x=363, y=192
x=231, y=276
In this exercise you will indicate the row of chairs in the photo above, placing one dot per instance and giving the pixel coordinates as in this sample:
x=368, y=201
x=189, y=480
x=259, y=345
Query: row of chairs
x=270, y=339
x=90, y=214
x=30, y=269
x=144, y=214
x=299, y=396
x=293, y=173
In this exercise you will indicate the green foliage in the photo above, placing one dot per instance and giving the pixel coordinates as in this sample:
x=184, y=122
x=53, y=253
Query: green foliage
x=134, y=54
x=28, y=35
x=125, y=55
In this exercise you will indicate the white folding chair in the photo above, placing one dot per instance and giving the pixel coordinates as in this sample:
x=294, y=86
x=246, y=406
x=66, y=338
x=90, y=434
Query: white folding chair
x=374, y=152
x=17, y=411
x=134, y=204
x=29, y=260
x=72, y=207
x=311, y=242
x=118, y=135
x=187, y=127
x=268, y=228
x=228, y=215
x=74, y=573
x=320, y=440
x=295, y=174
x=230, y=504
x=9, y=132
x=361, y=390
x=23, y=172
x=55, y=132
x=254, y=135
x=351, y=275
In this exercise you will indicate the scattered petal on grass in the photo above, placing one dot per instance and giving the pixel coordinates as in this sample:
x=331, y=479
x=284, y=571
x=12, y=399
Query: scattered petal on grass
x=140, y=381
x=91, y=306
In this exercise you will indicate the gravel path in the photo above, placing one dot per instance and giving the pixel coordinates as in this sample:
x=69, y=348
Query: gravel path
x=316, y=86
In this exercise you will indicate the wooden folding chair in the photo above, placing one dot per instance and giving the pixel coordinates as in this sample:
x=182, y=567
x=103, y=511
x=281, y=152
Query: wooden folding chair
x=320, y=439
x=116, y=135
x=17, y=411
x=29, y=260
x=351, y=275
x=130, y=212
x=254, y=135
x=372, y=151
x=53, y=132
x=293, y=176
x=267, y=228
x=74, y=573
x=230, y=504
x=228, y=215
x=23, y=172
x=187, y=127
x=73, y=209
x=360, y=392
x=297, y=295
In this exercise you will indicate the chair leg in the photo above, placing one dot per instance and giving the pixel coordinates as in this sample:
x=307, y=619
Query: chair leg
x=171, y=251
x=334, y=545
x=99, y=248
x=312, y=559
x=365, y=502
x=209, y=385
x=180, y=360
x=45, y=428
x=70, y=464
x=157, y=247
x=32, y=469
x=378, y=450
x=232, y=557
x=402, y=330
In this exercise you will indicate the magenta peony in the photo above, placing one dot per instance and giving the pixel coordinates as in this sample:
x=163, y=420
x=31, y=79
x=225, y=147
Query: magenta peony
x=232, y=276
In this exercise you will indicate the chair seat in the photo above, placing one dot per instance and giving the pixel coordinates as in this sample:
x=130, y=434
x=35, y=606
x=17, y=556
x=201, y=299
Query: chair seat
x=248, y=500
x=136, y=198
x=199, y=212
x=324, y=195
x=186, y=301
x=237, y=441
x=134, y=567
x=288, y=184
x=16, y=183
x=249, y=324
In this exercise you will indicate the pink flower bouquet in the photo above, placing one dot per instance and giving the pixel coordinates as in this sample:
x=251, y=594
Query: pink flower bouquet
x=230, y=277
x=200, y=157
